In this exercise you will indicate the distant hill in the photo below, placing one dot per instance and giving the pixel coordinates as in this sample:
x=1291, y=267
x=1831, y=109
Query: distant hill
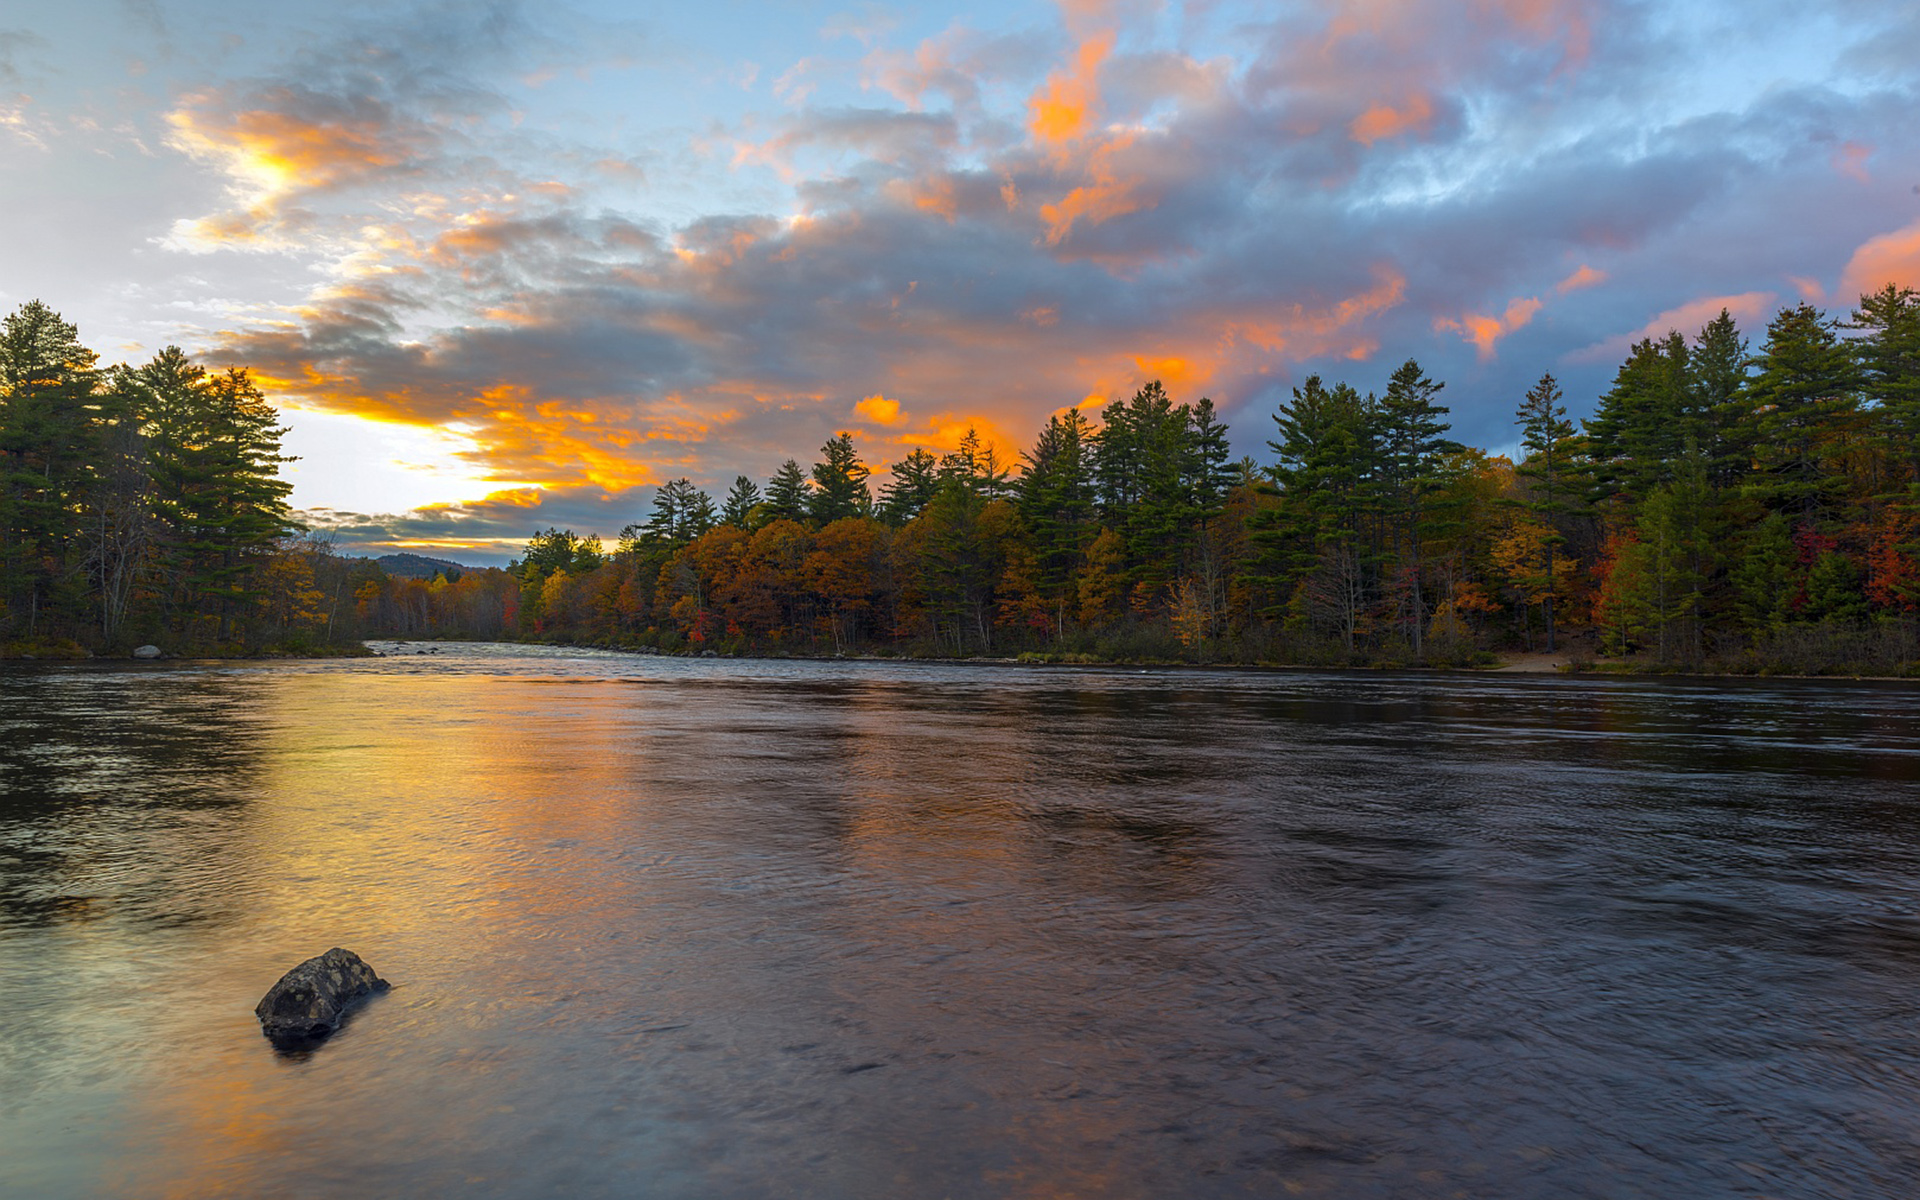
x=419, y=566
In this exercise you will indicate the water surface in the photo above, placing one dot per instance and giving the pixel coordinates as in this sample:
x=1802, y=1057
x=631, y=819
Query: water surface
x=707, y=928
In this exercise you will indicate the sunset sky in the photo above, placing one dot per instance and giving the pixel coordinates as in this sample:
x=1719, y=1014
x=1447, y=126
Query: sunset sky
x=508, y=266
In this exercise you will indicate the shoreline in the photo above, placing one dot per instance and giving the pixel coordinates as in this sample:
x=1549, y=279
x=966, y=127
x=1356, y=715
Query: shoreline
x=1558, y=664
x=1528, y=663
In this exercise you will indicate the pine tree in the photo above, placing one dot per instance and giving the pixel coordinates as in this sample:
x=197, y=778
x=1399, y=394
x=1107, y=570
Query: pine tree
x=1054, y=497
x=214, y=445
x=1803, y=396
x=839, y=483
x=1642, y=420
x=1889, y=366
x=1328, y=451
x=915, y=479
x=742, y=499
x=49, y=437
x=1718, y=391
x=681, y=513
x=787, y=493
x=1411, y=425
x=1547, y=437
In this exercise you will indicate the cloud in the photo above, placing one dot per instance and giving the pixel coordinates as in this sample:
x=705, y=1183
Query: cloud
x=1688, y=318
x=1584, y=277
x=1889, y=258
x=880, y=410
x=1483, y=331
x=983, y=227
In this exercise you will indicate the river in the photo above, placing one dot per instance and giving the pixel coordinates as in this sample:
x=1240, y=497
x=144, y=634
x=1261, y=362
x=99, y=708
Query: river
x=714, y=928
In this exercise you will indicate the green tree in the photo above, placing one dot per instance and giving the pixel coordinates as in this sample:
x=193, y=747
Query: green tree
x=1718, y=382
x=1889, y=369
x=741, y=500
x=1763, y=575
x=1327, y=469
x=49, y=437
x=839, y=483
x=681, y=512
x=1054, y=497
x=915, y=479
x=1678, y=557
x=1803, y=396
x=1547, y=437
x=1411, y=423
x=560, y=550
x=787, y=494
x=1642, y=420
x=220, y=504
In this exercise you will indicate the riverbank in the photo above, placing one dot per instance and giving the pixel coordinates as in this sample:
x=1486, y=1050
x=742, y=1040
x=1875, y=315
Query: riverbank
x=65, y=650
x=1576, y=657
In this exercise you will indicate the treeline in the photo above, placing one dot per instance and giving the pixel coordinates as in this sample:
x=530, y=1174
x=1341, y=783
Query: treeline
x=1726, y=506
x=145, y=505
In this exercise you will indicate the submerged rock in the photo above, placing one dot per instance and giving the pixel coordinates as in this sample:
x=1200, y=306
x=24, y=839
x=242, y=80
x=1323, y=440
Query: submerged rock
x=146, y=651
x=307, y=1004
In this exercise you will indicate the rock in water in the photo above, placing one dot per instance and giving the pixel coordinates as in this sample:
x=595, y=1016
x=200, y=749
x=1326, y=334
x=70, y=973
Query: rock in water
x=146, y=652
x=308, y=1002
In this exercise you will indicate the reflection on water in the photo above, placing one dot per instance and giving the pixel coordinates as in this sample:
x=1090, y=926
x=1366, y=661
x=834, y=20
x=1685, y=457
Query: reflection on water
x=691, y=928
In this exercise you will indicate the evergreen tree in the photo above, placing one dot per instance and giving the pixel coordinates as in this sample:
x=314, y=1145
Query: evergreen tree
x=1763, y=575
x=1643, y=420
x=1803, y=396
x=1718, y=383
x=49, y=437
x=214, y=448
x=1547, y=437
x=915, y=479
x=975, y=465
x=1210, y=470
x=1674, y=531
x=1054, y=497
x=1328, y=451
x=1889, y=367
x=1411, y=423
x=742, y=499
x=681, y=512
x=787, y=494
x=839, y=483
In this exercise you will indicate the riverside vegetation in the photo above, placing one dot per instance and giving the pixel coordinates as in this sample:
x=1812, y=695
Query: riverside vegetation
x=1726, y=508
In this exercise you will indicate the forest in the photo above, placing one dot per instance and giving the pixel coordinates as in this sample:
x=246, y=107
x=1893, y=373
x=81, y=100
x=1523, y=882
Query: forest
x=145, y=505
x=1729, y=507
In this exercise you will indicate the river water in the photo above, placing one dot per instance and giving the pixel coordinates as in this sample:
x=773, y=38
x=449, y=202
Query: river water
x=714, y=928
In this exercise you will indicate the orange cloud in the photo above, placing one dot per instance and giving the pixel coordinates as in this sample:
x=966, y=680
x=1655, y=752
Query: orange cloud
x=1890, y=258
x=1810, y=289
x=880, y=410
x=1063, y=109
x=1385, y=121
x=1104, y=196
x=1303, y=331
x=1585, y=277
x=1483, y=331
x=1750, y=307
x=270, y=154
x=1179, y=374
